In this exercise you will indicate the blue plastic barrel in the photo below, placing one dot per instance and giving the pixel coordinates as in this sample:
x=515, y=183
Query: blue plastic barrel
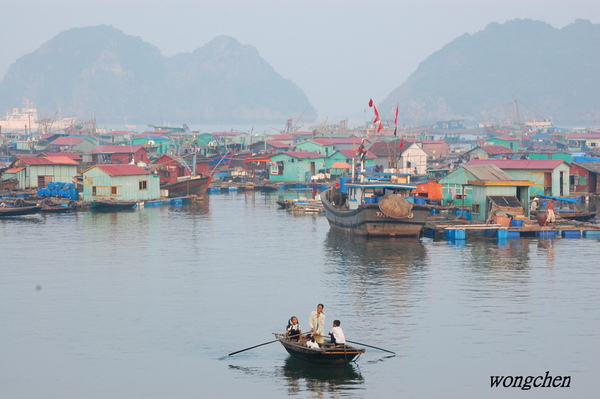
x=419, y=200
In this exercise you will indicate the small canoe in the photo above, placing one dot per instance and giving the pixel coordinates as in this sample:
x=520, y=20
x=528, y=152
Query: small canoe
x=328, y=353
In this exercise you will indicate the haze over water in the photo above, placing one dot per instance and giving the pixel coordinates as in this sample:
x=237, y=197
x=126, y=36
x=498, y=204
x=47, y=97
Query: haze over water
x=147, y=304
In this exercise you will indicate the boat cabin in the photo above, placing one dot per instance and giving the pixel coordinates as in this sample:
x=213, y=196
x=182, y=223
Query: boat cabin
x=357, y=194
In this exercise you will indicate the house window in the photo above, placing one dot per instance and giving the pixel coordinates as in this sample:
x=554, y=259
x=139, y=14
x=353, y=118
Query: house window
x=114, y=190
x=94, y=190
x=143, y=184
x=277, y=168
x=476, y=209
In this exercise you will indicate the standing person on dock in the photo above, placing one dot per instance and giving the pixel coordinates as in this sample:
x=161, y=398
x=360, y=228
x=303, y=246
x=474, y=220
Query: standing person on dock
x=316, y=322
x=550, y=211
x=315, y=188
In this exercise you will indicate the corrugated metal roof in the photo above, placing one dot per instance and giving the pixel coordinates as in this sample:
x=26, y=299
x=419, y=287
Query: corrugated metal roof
x=277, y=144
x=13, y=170
x=116, y=149
x=533, y=164
x=282, y=137
x=122, y=170
x=487, y=172
x=496, y=149
x=593, y=166
x=48, y=161
x=70, y=155
x=68, y=140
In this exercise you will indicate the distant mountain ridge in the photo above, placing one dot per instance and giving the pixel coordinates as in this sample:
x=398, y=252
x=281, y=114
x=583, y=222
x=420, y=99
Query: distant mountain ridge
x=102, y=72
x=521, y=65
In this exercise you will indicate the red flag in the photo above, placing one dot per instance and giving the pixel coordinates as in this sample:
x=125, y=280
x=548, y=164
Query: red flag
x=380, y=127
x=377, y=118
x=396, y=118
x=401, y=143
x=370, y=102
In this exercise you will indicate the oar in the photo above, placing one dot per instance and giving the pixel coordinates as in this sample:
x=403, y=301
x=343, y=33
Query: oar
x=369, y=346
x=252, y=347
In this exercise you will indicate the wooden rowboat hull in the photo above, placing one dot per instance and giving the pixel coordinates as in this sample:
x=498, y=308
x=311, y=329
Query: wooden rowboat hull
x=337, y=355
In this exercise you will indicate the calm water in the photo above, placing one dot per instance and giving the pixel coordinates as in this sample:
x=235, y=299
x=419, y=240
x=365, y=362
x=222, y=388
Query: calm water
x=148, y=304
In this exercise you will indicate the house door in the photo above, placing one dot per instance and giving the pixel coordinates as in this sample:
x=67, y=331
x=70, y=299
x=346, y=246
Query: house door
x=547, y=183
x=592, y=183
x=43, y=180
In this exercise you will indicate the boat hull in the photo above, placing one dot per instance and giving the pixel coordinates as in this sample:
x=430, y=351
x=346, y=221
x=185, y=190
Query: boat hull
x=333, y=355
x=19, y=211
x=196, y=186
x=369, y=220
x=110, y=206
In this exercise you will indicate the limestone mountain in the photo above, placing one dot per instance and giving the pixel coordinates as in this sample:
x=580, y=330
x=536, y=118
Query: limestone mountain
x=100, y=71
x=522, y=65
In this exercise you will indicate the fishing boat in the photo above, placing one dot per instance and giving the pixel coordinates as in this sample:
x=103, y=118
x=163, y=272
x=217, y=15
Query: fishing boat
x=113, y=205
x=567, y=213
x=329, y=354
x=188, y=185
x=19, y=210
x=374, y=208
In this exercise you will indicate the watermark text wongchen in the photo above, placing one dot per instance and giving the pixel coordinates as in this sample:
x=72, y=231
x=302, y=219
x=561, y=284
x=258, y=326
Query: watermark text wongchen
x=530, y=381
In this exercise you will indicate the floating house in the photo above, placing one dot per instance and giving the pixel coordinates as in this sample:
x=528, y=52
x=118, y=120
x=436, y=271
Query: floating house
x=492, y=151
x=117, y=154
x=119, y=182
x=455, y=185
x=296, y=166
x=505, y=141
x=37, y=172
x=403, y=156
x=73, y=143
x=550, y=177
x=585, y=177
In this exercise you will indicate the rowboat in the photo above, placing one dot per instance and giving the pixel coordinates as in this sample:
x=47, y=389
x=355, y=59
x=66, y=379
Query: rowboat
x=328, y=353
x=374, y=209
x=19, y=210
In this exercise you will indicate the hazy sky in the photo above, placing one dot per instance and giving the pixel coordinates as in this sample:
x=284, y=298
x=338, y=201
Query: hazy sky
x=339, y=52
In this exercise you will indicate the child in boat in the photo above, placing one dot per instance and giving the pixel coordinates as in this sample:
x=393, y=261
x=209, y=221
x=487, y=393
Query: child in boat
x=310, y=342
x=293, y=330
x=336, y=334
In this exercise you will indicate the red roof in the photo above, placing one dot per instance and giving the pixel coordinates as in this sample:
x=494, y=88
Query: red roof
x=48, y=161
x=546, y=164
x=280, y=137
x=496, y=149
x=116, y=149
x=277, y=144
x=68, y=140
x=122, y=170
x=13, y=170
x=70, y=155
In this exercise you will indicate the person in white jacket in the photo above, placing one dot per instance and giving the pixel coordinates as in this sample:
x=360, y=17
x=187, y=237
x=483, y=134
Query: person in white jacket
x=316, y=322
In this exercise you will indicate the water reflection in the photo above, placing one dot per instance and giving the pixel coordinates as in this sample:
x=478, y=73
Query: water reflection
x=322, y=380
